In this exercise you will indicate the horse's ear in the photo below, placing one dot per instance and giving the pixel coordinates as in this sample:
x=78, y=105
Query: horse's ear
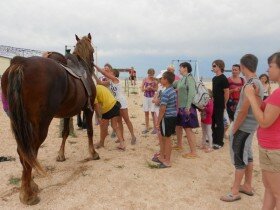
x=89, y=36
x=77, y=38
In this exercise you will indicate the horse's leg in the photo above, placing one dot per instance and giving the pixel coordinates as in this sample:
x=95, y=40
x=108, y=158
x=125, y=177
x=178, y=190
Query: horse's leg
x=79, y=120
x=29, y=189
x=65, y=134
x=94, y=155
x=84, y=121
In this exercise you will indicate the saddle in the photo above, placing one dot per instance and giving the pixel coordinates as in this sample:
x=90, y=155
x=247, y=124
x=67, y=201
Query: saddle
x=76, y=68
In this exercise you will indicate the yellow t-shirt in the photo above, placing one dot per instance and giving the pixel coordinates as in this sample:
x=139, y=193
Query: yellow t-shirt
x=105, y=98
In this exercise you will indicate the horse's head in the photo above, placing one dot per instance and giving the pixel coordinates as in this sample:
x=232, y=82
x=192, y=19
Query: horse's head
x=84, y=50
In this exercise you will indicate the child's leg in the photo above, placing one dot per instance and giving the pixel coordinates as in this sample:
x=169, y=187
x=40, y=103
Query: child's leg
x=124, y=115
x=103, y=132
x=203, y=140
x=120, y=124
x=162, y=150
x=116, y=127
x=154, y=122
x=209, y=135
x=147, y=120
x=167, y=150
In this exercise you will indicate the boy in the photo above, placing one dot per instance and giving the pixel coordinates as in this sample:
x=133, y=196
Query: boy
x=241, y=135
x=166, y=119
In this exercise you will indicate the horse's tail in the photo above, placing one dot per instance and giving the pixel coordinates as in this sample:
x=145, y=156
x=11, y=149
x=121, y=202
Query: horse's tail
x=21, y=127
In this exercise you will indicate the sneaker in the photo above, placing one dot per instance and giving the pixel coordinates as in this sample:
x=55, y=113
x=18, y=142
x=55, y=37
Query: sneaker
x=216, y=146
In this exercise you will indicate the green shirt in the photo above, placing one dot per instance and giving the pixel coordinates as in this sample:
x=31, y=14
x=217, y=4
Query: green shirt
x=185, y=96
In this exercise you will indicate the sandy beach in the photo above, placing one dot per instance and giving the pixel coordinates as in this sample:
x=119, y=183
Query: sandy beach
x=123, y=180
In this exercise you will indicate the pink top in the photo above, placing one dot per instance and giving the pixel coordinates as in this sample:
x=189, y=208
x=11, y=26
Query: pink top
x=232, y=85
x=206, y=113
x=177, y=77
x=269, y=138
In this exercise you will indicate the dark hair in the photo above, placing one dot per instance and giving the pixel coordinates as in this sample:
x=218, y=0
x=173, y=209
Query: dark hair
x=186, y=65
x=236, y=65
x=275, y=57
x=266, y=76
x=151, y=71
x=170, y=76
x=116, y=72
x=220, y=64
x=250, y=61
x=108, y=65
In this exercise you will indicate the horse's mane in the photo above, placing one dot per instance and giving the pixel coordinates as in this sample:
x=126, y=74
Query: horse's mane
x=84, y=50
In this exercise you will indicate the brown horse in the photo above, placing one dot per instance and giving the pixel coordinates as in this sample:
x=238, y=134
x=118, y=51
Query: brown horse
x=39, y=89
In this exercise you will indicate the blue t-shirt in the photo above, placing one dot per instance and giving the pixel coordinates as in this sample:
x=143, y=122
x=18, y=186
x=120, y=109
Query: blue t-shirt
x=169, y=98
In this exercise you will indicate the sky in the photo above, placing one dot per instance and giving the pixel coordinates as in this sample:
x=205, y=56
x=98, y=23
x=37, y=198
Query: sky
x=147, y=33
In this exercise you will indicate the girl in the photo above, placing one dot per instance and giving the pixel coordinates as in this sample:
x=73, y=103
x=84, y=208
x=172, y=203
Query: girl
x=266, y=85
x=206, y=122
x=149, y=87
x=115, y=86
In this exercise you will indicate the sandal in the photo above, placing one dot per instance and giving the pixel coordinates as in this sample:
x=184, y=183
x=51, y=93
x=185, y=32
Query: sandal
x=155, y=159
x=145, y=131
x=189, y=156
x=249, y=193
x=230, y=197
x=121, y=148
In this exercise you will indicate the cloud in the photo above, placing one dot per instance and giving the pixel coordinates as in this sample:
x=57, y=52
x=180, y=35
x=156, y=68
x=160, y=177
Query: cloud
x=120, y=29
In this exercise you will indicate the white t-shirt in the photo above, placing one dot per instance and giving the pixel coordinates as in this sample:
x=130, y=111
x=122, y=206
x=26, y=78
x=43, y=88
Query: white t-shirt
x=116, y=89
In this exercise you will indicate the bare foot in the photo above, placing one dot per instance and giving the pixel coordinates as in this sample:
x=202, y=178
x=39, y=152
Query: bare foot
x=209, y=149
x=202, y=147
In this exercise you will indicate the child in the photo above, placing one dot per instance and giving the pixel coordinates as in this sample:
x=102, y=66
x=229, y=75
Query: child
x=149, y=87
x=114, y=83
x=206, y=122
x=166, y=119
x=266, y=85
x=107, y=107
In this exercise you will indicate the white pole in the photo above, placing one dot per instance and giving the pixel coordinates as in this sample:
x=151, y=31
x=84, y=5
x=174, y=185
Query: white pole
x=197, y=70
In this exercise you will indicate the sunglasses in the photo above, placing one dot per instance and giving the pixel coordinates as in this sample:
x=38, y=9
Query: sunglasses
x=214, y=66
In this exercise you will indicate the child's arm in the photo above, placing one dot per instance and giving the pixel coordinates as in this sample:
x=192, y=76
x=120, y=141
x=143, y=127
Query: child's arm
x=99, y=82
x=162, y=110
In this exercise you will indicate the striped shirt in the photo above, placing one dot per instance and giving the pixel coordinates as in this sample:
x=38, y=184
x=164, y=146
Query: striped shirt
x=168, y=99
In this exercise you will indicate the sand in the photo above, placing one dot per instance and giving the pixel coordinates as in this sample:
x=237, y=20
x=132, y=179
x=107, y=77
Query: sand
x=123, y=180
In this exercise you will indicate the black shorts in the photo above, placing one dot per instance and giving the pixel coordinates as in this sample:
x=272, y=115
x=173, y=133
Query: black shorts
x=132, y=77
x=114, y=112
x=167, y=126
x=239, y=147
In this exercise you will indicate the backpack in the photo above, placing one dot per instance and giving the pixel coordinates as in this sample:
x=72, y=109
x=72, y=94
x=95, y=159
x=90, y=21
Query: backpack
x=201, y=97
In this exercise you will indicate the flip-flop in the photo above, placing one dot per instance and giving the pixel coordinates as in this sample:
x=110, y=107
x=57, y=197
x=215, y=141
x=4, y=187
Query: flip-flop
x=162, y=165
x=177, y=148
x=155, y=159
x=249, y=193
x=230, y=197
x=189, y=156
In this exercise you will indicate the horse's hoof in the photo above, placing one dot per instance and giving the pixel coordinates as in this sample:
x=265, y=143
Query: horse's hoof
x=32, y=200
x=96, y=156
x=60, y=158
